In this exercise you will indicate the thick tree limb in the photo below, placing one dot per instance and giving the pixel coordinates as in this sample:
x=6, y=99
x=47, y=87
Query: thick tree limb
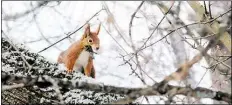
x=46, y=81
x=132, y=93
x=13, y=64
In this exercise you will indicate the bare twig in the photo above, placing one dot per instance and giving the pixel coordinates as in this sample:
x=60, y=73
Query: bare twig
x=132, y=43
x=69, y=34
x=16, y=16
x=203, y=37
x=187, y=25
x=122, y=49
x=127, y=61
x=120, y=32
x=132, y=17
x=177, y=47
x=182, y=72
x=40, y=30
x=138, y=64
x=221, y=62
x=210, y=15
x=224, y=56
x=156, y=27
x=114, y=39
x=25, y=61
x=40, y=39
x=206, y=12
x=183, y=27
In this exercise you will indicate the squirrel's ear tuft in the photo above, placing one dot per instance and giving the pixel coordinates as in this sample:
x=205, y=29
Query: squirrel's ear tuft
x=98, y=29
x=87, y=30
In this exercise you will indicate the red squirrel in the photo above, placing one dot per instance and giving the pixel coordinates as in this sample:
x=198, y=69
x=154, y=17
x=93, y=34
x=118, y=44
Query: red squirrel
x=78, y=56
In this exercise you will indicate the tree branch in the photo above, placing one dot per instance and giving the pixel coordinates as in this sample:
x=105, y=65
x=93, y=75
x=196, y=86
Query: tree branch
x=44, y=80
x=183, y=27
x=13, y=64
x=132, y=93
x=132, y=17
x=16, y=16
x=69, y=34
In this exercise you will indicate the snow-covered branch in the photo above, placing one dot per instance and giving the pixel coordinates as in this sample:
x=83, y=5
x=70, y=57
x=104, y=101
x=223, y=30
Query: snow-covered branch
x=14, y=59
x=44, y=80
x=132, y=93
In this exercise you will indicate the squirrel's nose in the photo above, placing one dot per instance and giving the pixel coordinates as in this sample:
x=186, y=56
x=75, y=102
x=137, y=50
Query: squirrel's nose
x=97, y=48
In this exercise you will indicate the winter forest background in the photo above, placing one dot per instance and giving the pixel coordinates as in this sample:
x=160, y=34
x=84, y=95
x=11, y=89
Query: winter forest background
x=142, y=42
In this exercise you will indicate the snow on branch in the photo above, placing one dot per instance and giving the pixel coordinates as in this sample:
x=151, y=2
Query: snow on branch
x=44, y=81
x=17, y=60
x=45, y=74
x=132, y=93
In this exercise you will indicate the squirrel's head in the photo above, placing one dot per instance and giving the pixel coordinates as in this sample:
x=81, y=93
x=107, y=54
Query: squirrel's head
x=90, y=38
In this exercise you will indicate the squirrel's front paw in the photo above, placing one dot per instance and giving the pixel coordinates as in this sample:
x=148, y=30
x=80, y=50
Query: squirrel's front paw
x=69, y=71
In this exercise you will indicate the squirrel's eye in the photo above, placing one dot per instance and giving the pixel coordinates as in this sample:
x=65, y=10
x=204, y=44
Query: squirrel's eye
x=90, y=40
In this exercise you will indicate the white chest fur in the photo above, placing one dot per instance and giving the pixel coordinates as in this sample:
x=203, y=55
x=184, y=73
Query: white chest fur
x=82, y=60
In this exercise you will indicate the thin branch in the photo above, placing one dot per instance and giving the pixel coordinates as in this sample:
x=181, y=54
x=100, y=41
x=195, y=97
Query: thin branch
x=120, y=32
x=183, y=27
x=206, y=12
x=40, y=30
x=40, y=39
x=202, y=77
x=132, y=43
x=187, y=25
x=210, y=15
x=23, y=58
x=224, y=56
x=132, y=17
x=126, y=61
x=199, y=38
x=221, y=62
x=156, y=27
x=16, y=16
x=114, y=39
x=69, y=34
x=182, y=72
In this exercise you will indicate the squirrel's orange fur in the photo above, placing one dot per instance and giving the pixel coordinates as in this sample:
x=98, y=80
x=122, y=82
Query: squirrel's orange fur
x=77, y=56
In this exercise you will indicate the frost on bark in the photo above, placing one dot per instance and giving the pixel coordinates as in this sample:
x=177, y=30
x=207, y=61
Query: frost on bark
x=13, y=62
